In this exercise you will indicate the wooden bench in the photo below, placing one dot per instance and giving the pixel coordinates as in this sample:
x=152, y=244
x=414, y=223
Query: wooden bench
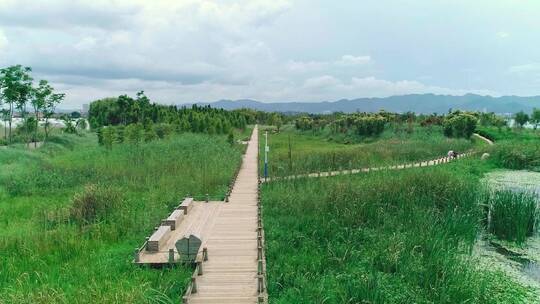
x=159, y=238
x=186, y=205
x=174, y=219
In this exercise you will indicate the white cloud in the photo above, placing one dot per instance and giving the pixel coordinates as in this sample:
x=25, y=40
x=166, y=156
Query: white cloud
x=524, y=68
x=203, y=50
x=349, y=60
x=86, y=43
x=503, y=34
x=321, y=82
x=346, y=61
x=3, y=40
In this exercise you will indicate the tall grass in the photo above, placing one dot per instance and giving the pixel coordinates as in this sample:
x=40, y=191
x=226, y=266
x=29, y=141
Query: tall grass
x=513, y=214
x=400, y=237
x=71, y=214
x=312, y=152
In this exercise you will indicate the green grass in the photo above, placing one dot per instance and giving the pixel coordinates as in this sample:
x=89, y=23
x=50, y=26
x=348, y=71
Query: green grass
x=386, y=237
x=54, y=250
x=515, y=149
x=514, y=215
x=317, y=151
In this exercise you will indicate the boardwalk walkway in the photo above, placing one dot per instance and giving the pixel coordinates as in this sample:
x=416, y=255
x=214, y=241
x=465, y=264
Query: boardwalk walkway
x=428, y=163
x=231, y=272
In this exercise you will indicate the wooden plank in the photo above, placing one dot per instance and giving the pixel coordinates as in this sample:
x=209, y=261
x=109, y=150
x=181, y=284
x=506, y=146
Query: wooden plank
x=158, y=238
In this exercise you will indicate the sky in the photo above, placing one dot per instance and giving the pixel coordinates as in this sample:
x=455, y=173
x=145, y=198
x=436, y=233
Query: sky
x=187, y=51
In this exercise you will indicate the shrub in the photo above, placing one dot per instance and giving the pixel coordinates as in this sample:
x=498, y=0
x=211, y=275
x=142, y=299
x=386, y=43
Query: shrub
x=459, y=125
x=94, y=204
x=162, y=130
x=517, y=156
x=134, y=133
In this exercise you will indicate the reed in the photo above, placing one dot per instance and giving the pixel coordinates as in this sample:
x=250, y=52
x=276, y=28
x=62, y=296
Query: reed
x=390, y=237
x=514, y=215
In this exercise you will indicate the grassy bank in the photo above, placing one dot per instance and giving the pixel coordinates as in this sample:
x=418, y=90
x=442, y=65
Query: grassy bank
x=515, y=149
x=313, y=151
x=71, y=214
x=398, y=237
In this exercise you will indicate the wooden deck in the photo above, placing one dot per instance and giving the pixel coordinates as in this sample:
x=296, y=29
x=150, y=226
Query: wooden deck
x=231, y=273
x=230, y=264
x=198, y=221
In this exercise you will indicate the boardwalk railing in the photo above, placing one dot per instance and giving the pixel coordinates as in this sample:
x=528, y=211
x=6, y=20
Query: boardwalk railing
x=261, y=258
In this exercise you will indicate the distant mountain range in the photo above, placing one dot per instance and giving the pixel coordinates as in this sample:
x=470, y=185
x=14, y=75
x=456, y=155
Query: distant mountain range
x=419, y=103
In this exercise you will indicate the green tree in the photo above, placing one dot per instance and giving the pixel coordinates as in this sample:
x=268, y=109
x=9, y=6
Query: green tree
x=230, y=138
x=108, y=135
x=38, y=101
x=460, y=125
x=48, y=111
x=81, y=124
x=69, y=125
x=16, y=88
x=5, y=118
x=521, y=118
x=535, y=118
x=499, y=122
x=134, y=133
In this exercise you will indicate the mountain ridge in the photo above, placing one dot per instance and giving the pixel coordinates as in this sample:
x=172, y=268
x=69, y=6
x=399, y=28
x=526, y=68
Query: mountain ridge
x=419, y=103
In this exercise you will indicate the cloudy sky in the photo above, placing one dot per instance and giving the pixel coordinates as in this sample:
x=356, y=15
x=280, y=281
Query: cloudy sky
x=274, y=50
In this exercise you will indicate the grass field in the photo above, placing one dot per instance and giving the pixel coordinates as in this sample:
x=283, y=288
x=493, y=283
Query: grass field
x=400, y=237
x=71, y=214
x=314, y=151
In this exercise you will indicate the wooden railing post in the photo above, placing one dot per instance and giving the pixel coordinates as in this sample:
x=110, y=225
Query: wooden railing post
x=136, y=255
x=171, y=255
x=194, y=285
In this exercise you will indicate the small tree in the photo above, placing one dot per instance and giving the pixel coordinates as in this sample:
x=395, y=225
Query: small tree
x=5, y=118
x=39, y=100
x=459, y=125
x=48, y=111
x=134, y=133
x=69, y=126
x=535, y=118
x=108, y=135
x=16, y=89
x=230, y=138
x=521, y=118
x=499, y=122
x=81, y=124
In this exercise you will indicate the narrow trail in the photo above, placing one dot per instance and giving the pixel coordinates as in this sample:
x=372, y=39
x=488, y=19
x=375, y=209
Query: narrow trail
x=232, y=273
x=428, y=163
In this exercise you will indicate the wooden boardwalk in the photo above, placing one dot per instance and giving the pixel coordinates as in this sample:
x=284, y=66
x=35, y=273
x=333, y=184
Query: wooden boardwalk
x=231, y=274
x=427, y=163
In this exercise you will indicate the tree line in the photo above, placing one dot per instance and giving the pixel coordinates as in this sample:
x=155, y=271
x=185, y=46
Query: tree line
x=18, y=92
x=134, y=119
x=454, y=123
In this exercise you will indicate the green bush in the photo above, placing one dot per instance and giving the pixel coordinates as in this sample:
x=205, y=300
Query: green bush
x=516, y=155
x=95, y=203
x=459, y=125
